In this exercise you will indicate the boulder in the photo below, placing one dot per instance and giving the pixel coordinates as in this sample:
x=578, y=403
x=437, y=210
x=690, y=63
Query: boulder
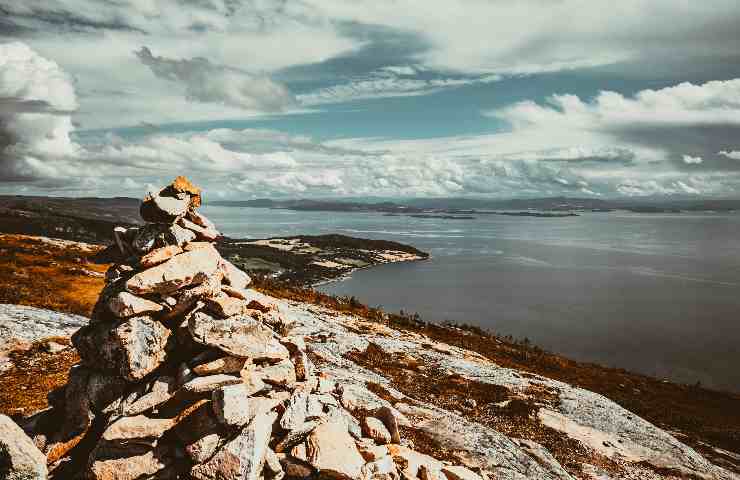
x=19, y=457
x=128, y=432
x=189, y=268
x=130, y=467
x=159, y=255
x=241, y=335
x=126, y=304
x=133, y=347
x=243, y=457
x=332, y=451
x=233, y=276
x=375, y=429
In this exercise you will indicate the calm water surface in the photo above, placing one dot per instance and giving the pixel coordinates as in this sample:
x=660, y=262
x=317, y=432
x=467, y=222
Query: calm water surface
x=659, y=294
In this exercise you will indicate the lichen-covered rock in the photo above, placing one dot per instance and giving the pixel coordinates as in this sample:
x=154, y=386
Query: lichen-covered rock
x=281, y=373
x=210, y=383
x=227, y=364
x=234, y=407
x=243, y=457
x=241, y=335
x=133, y=347
x=163, y=208
x=180, y=271
x=19, y=457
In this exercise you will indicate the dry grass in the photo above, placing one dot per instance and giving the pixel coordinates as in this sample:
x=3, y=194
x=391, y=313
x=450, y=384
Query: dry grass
x=43, y=275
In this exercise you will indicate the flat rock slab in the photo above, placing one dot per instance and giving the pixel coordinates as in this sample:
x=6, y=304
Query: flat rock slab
x=180, y=271
x=21, y=325
x=126, y=304
x=241, y=335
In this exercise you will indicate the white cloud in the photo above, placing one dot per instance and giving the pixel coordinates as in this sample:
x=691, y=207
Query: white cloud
x=206, y=82
x=734, y=155
x=35, y=122
x=689, y=160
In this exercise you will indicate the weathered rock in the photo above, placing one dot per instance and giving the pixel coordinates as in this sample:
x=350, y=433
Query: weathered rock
x=234, y=276
x=381, y=469
x=139, y=430
x=187, y=299
x=117, y=272
x=243, y=457
x=149, y=237
x=369, y=450
x=162, y=390
x=202, y=233
x=210, y=383
x=391, y=418
x=19, y=457
x=126, y=304
x=241, y=335
x=409, y=461
x=224, y=306
x=281, y=373
x=234, y=407
x=375, y=429
x=180, y=271
x=132, y=467
x=427, y=473
x=133, y=347
x=227, y=364
x=460, y=473
x=295, y=436
x=304, y=367
x=332, y=451
x=159, y=255
x=200, y=432
x=200, y=219
x=272, y=465
x=296, y=468
x=159, y=208
x=181, y=185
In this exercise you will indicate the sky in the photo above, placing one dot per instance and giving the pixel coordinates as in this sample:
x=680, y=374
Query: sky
x=371, y=98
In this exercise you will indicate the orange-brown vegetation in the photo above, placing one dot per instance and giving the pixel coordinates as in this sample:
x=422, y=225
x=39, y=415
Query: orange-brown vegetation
x=45, y=275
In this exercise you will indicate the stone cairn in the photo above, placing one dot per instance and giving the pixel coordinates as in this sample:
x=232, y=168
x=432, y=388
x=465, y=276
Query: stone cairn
x=187, y=373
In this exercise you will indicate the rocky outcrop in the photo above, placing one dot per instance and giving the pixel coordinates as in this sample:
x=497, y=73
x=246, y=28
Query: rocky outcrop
x=222, y=382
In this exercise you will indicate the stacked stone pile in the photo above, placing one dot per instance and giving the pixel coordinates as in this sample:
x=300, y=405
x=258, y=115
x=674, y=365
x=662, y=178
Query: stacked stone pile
x=185, y=372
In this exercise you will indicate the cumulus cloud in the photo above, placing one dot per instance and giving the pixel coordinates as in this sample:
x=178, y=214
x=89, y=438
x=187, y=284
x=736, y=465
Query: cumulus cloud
x=668, y=121
x=689, y=160
x=734, y=154
x=36, y=97
x=206, y=82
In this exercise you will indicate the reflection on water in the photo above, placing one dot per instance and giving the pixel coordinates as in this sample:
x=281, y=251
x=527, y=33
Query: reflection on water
x=653, y=293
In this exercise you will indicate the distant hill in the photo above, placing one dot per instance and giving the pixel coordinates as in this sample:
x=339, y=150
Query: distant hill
x=467, y=205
